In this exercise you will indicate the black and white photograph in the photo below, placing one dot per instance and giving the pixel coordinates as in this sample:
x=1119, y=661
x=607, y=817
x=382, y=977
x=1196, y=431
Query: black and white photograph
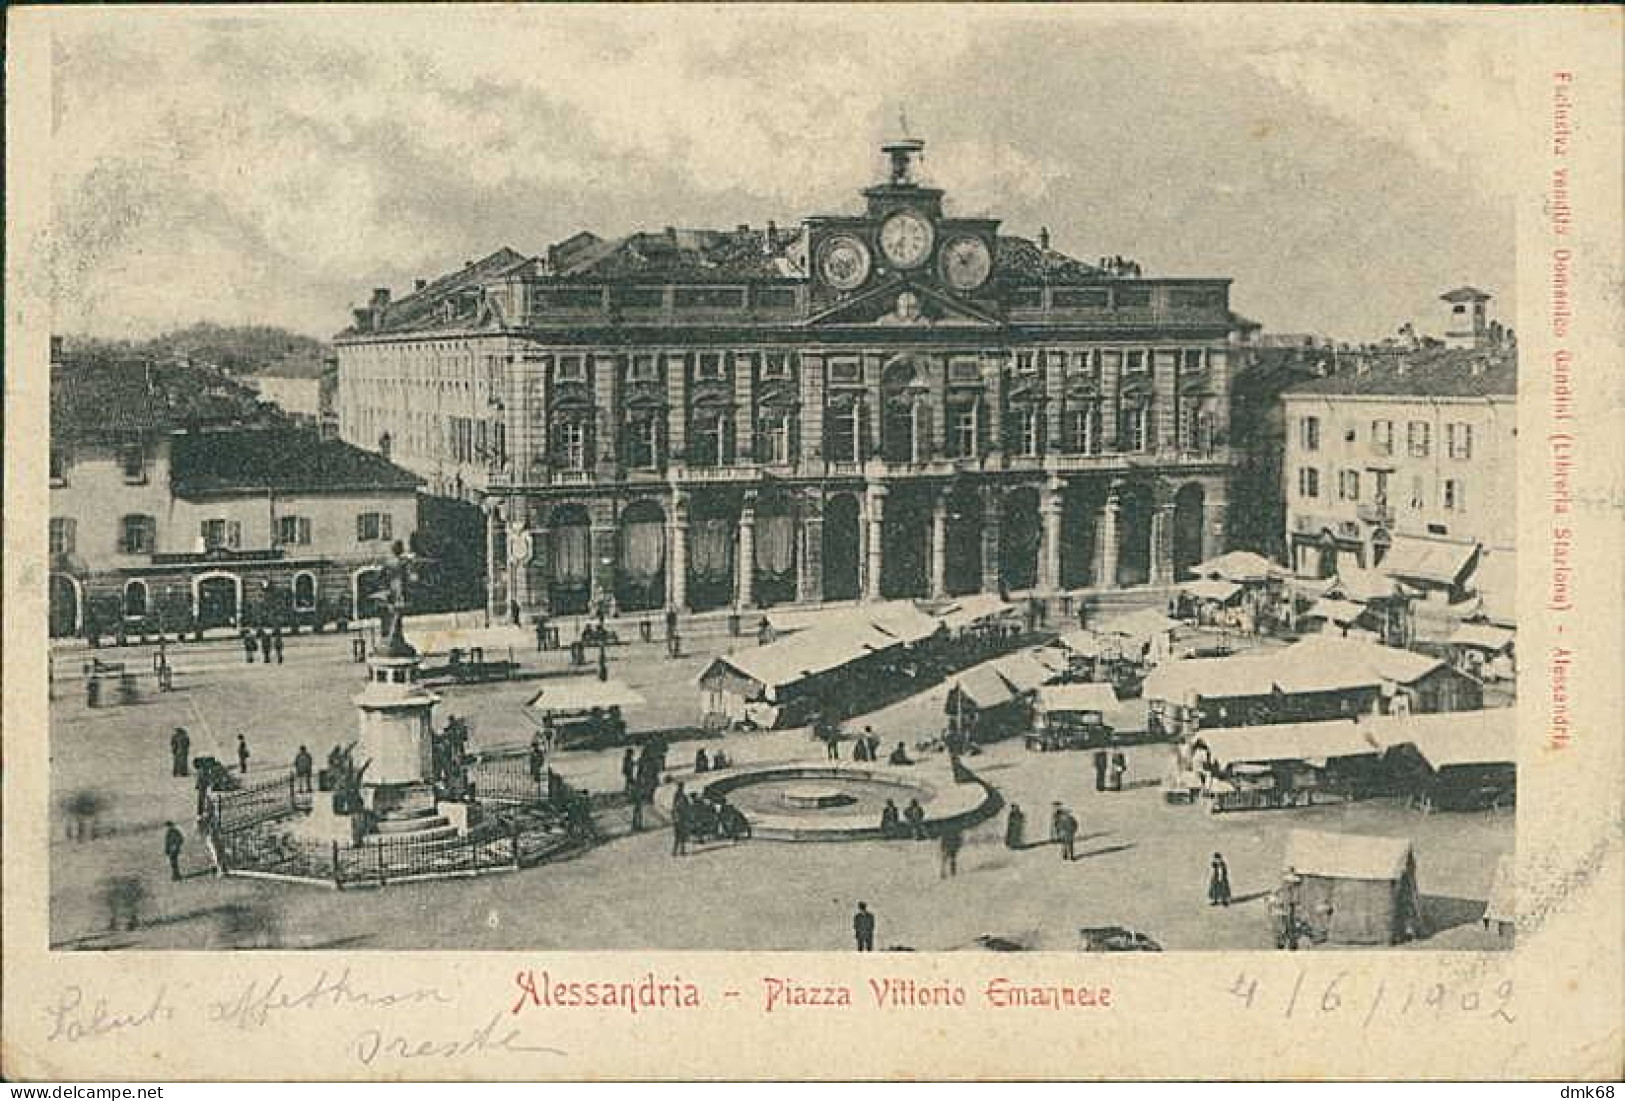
x=902, y=479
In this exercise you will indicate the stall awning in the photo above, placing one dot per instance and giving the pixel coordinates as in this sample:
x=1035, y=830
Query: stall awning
x=1211, y=589
x=1239, y=566
x=1454, y=738
x=1323, y=664
x=1076, y=697
x=1024, y=672
x=1347, y=855
x=566, y=695
x=1342, y=612
x=971, y=611
x=1146, y=623
x=492, y=640
x=1083, y=642
x=1482, y=636
x=1191, y=679
x=899, y=618
x=1496, y=580
x=1362, y=586
x=1315, y=743
x=983, y=687
x=1438, y=561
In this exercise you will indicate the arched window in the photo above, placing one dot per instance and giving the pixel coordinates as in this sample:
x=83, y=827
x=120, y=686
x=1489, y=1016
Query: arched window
x=304, y=592
x=135, y=600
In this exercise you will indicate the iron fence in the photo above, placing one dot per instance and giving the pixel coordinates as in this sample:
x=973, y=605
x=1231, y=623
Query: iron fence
x=255, y=803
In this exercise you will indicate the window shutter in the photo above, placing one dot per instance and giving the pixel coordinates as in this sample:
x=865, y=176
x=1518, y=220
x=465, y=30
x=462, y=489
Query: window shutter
x=304, y=531
x=234, y=534
x=361, y=528
x=386, y=526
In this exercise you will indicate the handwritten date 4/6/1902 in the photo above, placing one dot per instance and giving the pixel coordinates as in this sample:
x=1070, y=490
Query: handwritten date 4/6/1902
x=378, y=1044
x=1341, y=994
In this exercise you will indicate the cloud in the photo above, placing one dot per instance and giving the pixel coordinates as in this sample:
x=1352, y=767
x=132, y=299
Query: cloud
x=273, y=165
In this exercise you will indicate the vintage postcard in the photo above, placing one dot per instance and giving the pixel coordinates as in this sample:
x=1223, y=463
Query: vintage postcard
x=579, y=542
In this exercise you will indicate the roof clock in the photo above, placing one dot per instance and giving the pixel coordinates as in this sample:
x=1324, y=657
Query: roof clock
x=965, y=262
x=844, y=262
x=906, y=238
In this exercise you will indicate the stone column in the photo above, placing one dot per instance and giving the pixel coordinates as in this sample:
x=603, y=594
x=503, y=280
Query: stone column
x=745, y=560
x=1162, y=544
x=939, y=546
x=876, y=542
x=992, y=542
x=810, y=562
x=1049, y=567
x=677, y=555
x=1106, y=556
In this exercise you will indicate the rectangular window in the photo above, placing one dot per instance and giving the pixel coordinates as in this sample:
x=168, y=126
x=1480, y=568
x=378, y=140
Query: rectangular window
x=1134, y=363
x=59, y=466
x=964, y=369
x=638, y=298
x=222, y=535
x=572, y=369
x=1133, y=298
x=643, y=442
x=1459, y=440
x=708, y=366
x=1455, y=495
x=132, y=459
x=138, y=536
x=1348, y=485
x=776, y=365
x=845, y=371
x=1133, y=432
x=844, y=434
x=705, y=444
x=1027, y=432
x=774, y=436
x=709, y=298
x=962, y=432
x=643, y=369
x=293, y=531
x=1026, y=363
x=1416, y=439
x=1083, y=429
x=1308, y=482
x=572, y=445
x=1081, y=298
x=63, y=531
x=1309, y=433
x=1382, y=437
x=1418, y=492
x=1193, y=361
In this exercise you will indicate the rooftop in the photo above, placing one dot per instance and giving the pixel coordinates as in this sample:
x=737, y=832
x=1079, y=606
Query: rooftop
x=94, y=397
x=286, y=460
x=1421, y=372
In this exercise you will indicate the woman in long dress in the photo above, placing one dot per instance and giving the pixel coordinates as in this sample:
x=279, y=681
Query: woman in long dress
x=1218, y=882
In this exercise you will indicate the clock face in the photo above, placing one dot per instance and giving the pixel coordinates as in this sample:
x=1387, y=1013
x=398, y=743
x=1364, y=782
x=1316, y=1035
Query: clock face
x=966, y=263
x=844, y=263
x=906, y=239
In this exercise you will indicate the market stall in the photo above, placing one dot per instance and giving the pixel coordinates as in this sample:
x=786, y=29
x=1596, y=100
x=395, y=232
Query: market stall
x=1288, y=765
x=1072, y=716
x=1352, y=888
x=582, y=711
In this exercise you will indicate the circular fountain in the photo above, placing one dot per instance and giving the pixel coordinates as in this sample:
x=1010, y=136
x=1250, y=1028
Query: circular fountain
x=808, y=802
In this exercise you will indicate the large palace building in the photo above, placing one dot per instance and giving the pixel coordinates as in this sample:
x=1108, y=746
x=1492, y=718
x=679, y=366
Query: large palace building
x=898, y=402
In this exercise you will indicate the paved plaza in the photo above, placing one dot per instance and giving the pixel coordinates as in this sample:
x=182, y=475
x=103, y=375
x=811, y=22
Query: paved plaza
x=1142, y=864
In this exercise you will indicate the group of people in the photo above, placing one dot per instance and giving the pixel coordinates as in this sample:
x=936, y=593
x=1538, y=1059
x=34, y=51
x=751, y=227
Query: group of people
x=908, y=822
x=697, y=817
x=641, y=771
x=267, y=641
x=1110, y=768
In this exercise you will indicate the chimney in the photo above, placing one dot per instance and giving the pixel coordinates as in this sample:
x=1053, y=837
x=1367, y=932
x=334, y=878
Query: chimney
x=743, y=228
x=56, y=349
x=1043, y=238
x=380, y=298
x=363, y=320
x=770, y=240
x=419, y=284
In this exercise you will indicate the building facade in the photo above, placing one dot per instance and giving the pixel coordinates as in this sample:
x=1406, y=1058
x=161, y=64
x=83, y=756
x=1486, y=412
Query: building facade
x=160, y=521
x=1405, y=461
x=892, y=403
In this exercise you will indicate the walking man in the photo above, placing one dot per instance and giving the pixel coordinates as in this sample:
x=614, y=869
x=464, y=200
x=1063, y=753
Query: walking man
x=248, y=645
x=1218, y=882
x=173, y=840
x=629, y=770
x=180, y=750
x=1067, y=826
x=863, y=928
x=242, y=755
x=679, y=822
x=950, y=855
x=276, y=643
x=1100, y=769
x=265, y=645
x=302, y=765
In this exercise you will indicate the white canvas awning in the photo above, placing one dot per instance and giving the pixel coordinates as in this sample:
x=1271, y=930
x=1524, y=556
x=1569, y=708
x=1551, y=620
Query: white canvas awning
x=1347, y=855
x=1083, y=642
x=1205, y=588
x=1315, y=743
x=1239, y=566
x=565, y=695
x=1076, y=697
x=1144, y=624
x=1438, y=561
x=970, y=611
x=1342, y=612
x=1483, y=636
x=1362, y=586
x=1454, y=738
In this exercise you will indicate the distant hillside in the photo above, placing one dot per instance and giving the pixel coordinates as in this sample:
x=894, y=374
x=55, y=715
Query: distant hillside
x=235, y=349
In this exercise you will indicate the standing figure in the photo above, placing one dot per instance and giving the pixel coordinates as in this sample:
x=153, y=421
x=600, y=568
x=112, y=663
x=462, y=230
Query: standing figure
x=1218, y=882
x=629, y=769
x=248, y=645
x=950, y=846
x=265, y=645
x=1068, y=829
x=180, y=750
x=680, y=822
x=890, y=820
x=276, y=643
x=863, y=928
x=1100, y=769
x=513, y=611
x=173, y=840
x=1119, y=767
x=242, y=755
x=303, y=764
x=1015, y=828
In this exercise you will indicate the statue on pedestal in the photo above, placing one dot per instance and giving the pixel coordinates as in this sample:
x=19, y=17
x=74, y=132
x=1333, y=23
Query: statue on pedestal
x=398, y=571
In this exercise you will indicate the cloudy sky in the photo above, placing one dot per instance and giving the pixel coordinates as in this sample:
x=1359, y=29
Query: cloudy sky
x=273, y=165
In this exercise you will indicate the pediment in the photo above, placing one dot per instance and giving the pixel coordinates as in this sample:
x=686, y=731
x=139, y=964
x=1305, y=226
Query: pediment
x=905, y=304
